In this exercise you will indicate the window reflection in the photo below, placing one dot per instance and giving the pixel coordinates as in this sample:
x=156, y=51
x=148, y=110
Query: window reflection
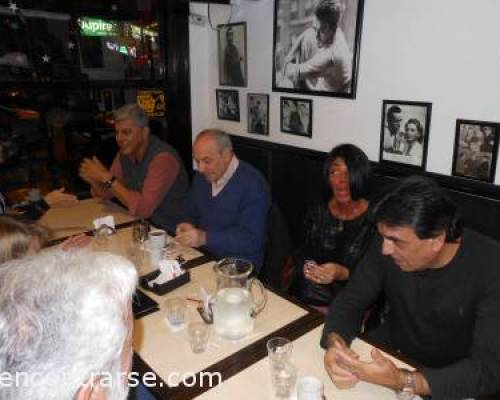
x=47, y=46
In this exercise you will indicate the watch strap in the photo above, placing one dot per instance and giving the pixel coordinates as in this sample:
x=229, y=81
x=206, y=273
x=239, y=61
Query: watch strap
x=109, y=182
x=410, y=382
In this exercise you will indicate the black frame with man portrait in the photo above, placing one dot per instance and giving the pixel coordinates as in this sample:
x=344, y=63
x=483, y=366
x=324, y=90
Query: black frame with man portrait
x=298, y=123
x=302, y=63
x=475, y=152
x=223, y=108
x=233, y=70
x=404, y=133
x=258, y=113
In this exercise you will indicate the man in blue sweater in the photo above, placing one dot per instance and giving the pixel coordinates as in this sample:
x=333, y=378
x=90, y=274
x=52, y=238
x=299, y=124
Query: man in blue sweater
x=227, y=207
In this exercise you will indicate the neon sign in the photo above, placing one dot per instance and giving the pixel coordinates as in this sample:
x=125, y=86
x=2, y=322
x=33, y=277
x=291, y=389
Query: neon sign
x=120, y=48
x=97, y=27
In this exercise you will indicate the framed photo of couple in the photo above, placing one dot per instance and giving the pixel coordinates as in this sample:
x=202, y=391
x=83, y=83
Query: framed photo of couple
x=316, y=46
x=404, y=133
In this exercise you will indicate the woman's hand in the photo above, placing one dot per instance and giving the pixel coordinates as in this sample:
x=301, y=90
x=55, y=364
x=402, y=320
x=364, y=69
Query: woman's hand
x=325, y=273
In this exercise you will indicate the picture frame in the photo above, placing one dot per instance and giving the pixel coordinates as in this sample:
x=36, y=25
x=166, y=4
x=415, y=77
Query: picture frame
x=232, y=51
x=404, y=133
x=228, y=105
x=302, y=62
x=296, y=116
x=258, y=113
x=475, y=151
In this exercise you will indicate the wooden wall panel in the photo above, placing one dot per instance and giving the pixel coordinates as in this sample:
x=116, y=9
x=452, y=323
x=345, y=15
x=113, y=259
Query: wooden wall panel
x=295, y=177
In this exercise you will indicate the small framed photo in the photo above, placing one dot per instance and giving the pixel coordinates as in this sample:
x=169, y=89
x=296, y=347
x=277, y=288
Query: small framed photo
x=258, y=113
x=404, y=132
x=475, y=152
x=228, y=104
x=296, y=116
x=232, y=45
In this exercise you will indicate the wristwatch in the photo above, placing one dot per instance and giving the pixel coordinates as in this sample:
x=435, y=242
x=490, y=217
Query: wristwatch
x=110, y=182
x=408, y=390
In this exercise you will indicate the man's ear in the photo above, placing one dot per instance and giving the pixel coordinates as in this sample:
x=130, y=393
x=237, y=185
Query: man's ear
x=91, y=390
x=438, y=241
x=227, y=154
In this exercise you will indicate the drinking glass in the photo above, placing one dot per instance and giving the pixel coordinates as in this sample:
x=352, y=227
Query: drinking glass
x=198, y=336
x=309, y=388
x=140, y=232
x=102, y=237
x=279, y=350
x=284, y=378
x=176, y=310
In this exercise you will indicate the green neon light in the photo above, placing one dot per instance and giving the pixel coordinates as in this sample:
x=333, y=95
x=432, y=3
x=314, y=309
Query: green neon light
x=97, y=27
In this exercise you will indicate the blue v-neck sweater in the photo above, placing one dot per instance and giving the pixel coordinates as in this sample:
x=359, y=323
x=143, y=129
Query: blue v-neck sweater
x=235, y=219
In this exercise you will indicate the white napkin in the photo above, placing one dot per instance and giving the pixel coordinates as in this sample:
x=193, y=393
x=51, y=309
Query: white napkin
x=109, y=220
x=169, y=269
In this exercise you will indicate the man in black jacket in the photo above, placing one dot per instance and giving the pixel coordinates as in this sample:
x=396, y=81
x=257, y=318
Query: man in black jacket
x=442, y=287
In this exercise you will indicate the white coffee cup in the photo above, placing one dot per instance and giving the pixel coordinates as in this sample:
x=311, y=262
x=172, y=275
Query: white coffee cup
x=157, y=239
x=309, y=388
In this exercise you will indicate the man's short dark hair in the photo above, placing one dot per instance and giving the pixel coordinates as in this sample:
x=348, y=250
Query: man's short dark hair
x=358, y=166
x=391, y=111
x=329, y=11
x=420, y=203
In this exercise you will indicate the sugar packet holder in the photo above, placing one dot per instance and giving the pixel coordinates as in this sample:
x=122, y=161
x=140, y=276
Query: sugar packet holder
x=160, y=286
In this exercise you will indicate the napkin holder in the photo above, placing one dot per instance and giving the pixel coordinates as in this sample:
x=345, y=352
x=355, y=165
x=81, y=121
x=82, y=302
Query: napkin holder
x=166, y=287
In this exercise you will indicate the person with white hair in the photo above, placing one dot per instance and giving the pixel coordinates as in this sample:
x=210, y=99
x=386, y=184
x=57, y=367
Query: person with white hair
x=147, y=175
x=66, y=326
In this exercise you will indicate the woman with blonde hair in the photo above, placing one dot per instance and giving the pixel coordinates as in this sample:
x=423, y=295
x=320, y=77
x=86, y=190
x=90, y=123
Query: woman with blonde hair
x=18, y=238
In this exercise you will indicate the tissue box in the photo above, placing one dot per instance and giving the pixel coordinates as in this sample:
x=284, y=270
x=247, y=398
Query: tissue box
x=165, y=287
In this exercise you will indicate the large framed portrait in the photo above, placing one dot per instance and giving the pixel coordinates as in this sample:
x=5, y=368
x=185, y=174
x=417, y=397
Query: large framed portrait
x=258, y=113
x=296, y=116
x=232, y=44
x=228, y=104
x=475, y=151
x=316, y=46
x=404, y=132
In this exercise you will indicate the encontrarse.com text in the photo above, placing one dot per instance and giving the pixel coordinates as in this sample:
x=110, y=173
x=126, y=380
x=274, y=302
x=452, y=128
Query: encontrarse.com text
x=105, y=379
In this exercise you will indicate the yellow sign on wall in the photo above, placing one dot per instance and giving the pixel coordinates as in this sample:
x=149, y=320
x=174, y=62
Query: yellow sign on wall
x=152, y=102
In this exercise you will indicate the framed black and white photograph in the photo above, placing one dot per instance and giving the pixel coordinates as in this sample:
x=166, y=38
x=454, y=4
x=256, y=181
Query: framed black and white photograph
x=228, y=104
x=296, y=116
x=232, y=41
x=258, y=113
x=404, y=133
x=475, y=152
x=316, y=46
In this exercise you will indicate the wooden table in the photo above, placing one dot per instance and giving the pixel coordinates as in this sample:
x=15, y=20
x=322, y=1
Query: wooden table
x=64, y=222
x=242, y=365
x=307, y=356
x=161, y=351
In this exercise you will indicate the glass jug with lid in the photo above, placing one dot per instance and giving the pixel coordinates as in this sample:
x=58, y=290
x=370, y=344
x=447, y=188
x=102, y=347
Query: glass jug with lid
x=236, y=303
